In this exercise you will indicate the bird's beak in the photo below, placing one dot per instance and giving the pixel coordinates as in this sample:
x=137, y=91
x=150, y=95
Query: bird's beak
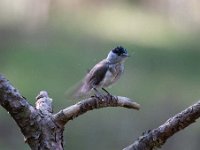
x=126, y=55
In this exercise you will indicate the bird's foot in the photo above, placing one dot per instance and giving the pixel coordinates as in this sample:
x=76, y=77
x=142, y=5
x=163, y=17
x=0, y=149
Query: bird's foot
x=100, y=97
x=97, y=94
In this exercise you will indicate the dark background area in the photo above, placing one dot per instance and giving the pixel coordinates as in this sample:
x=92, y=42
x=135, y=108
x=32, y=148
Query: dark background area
x=50, y=45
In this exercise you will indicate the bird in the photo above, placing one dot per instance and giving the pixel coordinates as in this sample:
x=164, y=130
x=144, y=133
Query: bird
x=104, y=73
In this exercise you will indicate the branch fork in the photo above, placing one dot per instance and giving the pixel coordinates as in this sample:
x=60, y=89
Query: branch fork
x=43, y=129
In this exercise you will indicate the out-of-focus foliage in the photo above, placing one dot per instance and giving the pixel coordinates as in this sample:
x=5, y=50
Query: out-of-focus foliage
x=50, y=45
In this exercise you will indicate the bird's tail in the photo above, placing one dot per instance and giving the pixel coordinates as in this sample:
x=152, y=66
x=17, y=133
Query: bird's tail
x=79, y=91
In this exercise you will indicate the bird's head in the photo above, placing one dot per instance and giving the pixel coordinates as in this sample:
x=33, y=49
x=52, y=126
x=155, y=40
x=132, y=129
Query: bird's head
x=117, y=55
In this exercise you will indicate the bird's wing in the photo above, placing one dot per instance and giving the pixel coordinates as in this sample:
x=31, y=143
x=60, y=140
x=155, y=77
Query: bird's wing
x=93, y=78
x=97, y=73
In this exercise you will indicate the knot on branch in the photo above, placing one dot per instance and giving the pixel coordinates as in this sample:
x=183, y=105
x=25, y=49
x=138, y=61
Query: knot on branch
x=44, y=102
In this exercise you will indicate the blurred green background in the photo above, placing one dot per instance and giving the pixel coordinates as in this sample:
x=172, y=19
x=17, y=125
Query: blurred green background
x=49, y=45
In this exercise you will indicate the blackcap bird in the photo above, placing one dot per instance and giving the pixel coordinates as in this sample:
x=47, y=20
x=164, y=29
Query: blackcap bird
x=104, y=73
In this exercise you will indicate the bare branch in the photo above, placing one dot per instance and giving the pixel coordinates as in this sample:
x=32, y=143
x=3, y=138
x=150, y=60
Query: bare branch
x=36, y=124
x=69, y=113
x=157, y=137
x=42, y=129
x=22, y=112
x=12, y=101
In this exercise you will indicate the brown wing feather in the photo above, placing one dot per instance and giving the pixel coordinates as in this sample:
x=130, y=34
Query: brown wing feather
x=96, y=75
x=92, y=79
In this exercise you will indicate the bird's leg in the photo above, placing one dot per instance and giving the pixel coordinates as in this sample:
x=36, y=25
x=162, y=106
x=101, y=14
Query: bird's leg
x=106, y=91
x=97, y=94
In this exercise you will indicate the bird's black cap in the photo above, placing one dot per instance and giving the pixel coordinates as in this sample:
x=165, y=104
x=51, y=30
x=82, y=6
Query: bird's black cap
x=119, y=50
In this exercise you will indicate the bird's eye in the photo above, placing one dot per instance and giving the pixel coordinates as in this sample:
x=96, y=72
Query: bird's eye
x=119, y=54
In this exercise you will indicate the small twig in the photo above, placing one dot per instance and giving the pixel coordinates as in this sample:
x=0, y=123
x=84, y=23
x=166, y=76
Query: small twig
x=69, y=113
x=157, y=137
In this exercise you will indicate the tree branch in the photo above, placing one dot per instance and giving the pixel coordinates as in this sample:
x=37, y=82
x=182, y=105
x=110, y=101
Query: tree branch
x=157, y=137
x=43, y=129
x=22, y=112
x=71, y=112
x=12, y=101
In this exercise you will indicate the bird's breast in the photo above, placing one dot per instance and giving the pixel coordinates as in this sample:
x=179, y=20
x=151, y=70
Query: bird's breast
x=112, y=75
x=108, y=78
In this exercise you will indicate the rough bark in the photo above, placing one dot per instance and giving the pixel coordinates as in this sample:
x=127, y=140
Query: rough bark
x=36, y=124
x=157, y=137
x=42, y=129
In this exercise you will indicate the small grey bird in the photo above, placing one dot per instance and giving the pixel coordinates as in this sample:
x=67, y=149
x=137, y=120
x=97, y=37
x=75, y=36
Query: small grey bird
x=104, y=73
